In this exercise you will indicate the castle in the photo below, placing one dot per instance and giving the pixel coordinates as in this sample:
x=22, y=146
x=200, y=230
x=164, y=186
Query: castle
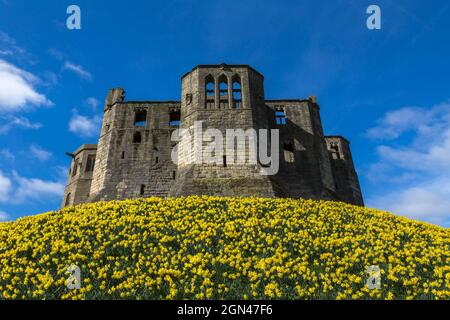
x=133, y=156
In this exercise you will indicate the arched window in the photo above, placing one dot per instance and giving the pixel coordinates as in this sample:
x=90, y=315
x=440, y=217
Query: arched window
x=68, y=199
x=137, y=137
x=210, y=92
x=223, y=92
x=237, y=92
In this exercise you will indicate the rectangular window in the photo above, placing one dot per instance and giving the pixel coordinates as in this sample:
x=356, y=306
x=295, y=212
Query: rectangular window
x=140, y=118
x=280, y=116
x=288, y=149
x=75, y=167
x=175, y=118
x=90, y=163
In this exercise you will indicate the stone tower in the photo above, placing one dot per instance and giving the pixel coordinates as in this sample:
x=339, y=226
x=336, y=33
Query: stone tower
x=222, y=97
x=133, y=157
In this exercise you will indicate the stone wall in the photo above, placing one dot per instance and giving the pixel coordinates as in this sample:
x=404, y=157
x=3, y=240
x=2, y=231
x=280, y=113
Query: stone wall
x=346, y=179
x=80, y=175
x=133, y=156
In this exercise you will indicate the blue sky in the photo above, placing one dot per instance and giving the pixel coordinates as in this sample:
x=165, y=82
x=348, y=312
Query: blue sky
x=387, y=90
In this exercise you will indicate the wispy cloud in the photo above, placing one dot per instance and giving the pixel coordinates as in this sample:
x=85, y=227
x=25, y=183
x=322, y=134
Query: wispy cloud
x=15, y=189
x=4, y=216
x=58, y=55
x=78, y=70
x=84, y=126
x=5, y=187
x=9, y=49
x=39, y=153
x=415, y=174
x=18, y=89
x=93, y=103
x=9, y=122
x=7, y=155
x=35, y=189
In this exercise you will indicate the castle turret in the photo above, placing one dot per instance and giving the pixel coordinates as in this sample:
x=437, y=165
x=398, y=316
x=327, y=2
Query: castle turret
x=80, y=175
x=346, y=179
x=222, y=97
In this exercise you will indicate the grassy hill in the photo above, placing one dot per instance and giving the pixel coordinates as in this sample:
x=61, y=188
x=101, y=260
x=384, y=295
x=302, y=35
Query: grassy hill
x=215, y=248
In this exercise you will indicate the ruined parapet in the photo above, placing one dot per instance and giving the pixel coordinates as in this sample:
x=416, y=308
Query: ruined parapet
x=115, y=95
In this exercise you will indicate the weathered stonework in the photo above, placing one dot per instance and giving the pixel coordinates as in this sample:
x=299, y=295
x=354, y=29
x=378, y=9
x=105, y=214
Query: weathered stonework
x=133, y=155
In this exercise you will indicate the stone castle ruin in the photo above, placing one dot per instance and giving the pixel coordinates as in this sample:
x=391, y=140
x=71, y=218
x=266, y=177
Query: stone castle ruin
x=133, y=156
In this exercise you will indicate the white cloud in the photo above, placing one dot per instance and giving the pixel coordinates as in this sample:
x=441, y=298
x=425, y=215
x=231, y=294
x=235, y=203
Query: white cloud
x=415, y=175
x=427, y=202
x=397, y=122
x=15, y=189
x=35, y=189
x=5, y=187
x=84, y=126
x=3, y=216
x=18, y=89
x=78, y=70
x=21, y=122
x=39, y=153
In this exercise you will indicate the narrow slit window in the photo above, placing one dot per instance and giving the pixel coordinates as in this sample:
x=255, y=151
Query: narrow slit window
x=225, y=161
x=75, y=167
x=223, y=92
x=123, y=155
x=174, y=175
x=68, y=199
x=140, y=118
x=142, y=191
x=237, y=93
x=288, y=148
x=90, y=163
x=210, y=92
